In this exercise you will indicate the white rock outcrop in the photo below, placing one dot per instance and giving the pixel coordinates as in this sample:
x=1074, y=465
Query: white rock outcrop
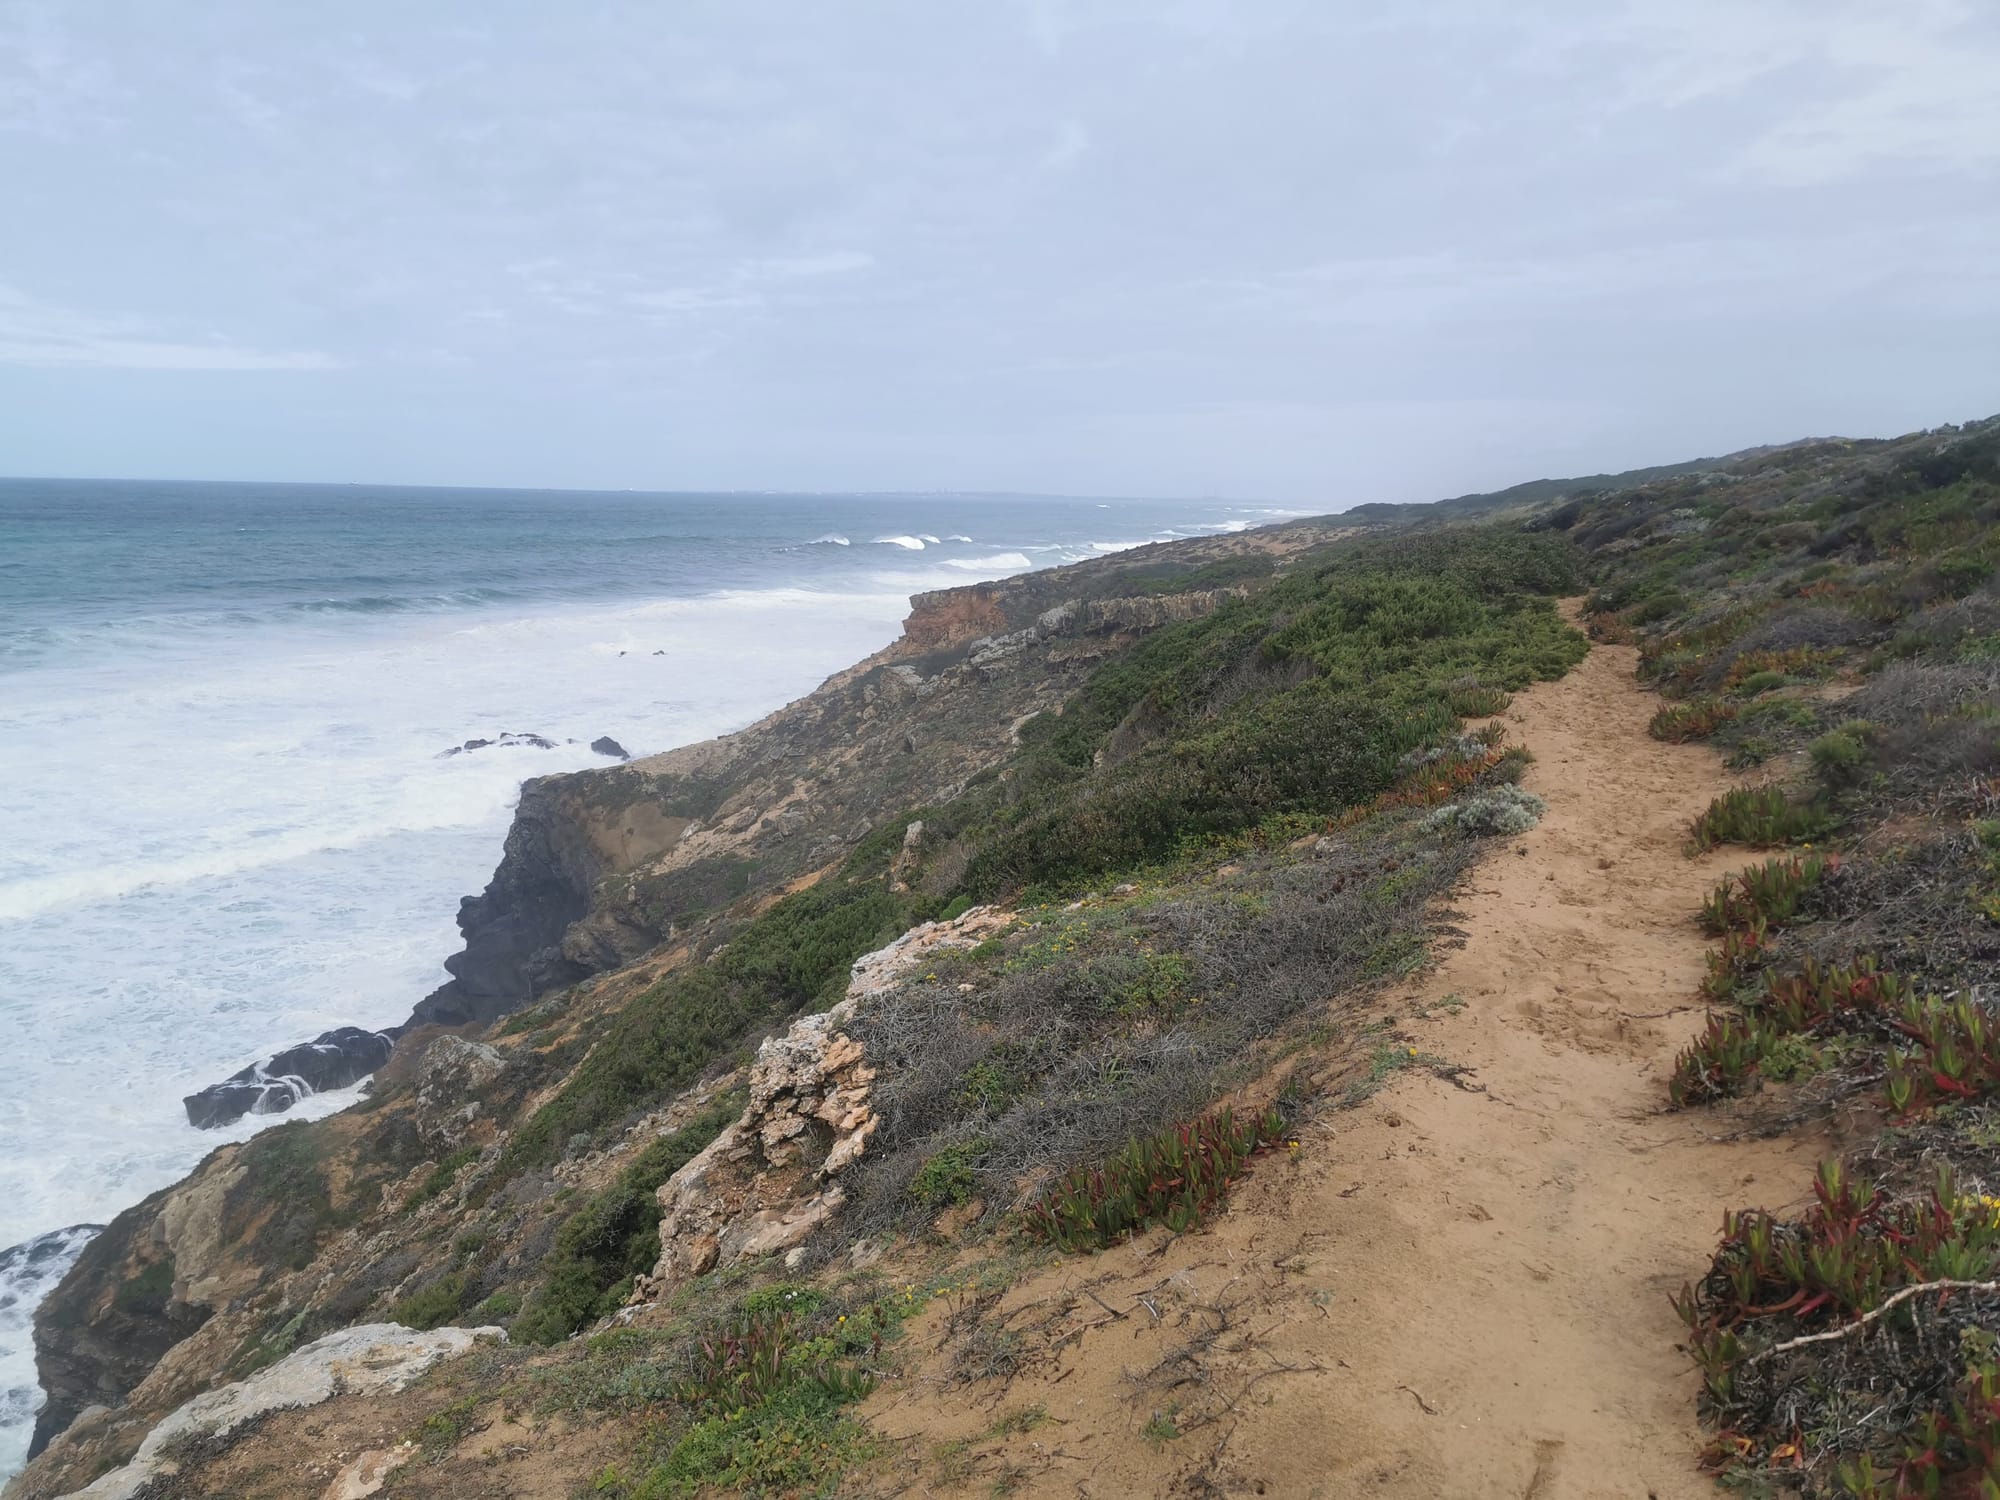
x=451, y=1071
x=772, y=1177
x=370, y=1357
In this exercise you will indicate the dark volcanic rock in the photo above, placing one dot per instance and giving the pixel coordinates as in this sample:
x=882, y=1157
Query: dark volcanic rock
x=514, y=929
x=605, y=745
x=332, y=1060
x=533, y=741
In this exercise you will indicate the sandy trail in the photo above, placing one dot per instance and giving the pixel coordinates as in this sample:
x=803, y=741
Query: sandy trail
x=1446, y=1292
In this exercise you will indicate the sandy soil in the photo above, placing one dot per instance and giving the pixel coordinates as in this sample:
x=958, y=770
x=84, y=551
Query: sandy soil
x=1460, y=1287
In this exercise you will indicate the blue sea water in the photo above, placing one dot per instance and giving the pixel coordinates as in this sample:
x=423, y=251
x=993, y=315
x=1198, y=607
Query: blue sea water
x=227, y=824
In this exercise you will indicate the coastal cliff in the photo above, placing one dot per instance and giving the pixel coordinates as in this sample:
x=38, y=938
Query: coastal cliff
x=607, y=879
x=1107, y=904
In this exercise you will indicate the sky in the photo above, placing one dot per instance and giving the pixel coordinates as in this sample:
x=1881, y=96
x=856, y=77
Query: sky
x=1314, y=253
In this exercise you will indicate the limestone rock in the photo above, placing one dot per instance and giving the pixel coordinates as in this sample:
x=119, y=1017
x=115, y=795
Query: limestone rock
x=370, y=1357
x=771, y=1178
x=451, y=1071
x=875, y=972
x=766, y=1182
x=908, y=857
x=368, y=1472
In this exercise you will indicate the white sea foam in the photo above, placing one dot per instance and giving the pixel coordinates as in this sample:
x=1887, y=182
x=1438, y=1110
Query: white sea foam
x=272, y=828
x=28, y=1273
x=925, y=536
x=908, y=543
x=992, y=567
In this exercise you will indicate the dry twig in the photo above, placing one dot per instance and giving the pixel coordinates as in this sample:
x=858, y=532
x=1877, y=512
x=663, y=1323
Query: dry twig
x=1869, y=1317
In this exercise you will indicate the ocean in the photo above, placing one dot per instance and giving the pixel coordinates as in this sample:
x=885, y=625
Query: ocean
x=222, y=706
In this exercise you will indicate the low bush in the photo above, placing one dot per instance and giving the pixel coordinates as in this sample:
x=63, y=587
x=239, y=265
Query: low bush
x=1469, y=700
x=767, y=1397
x=1759, y=683
x=1766, y=895
x=1301, y=700
x=1764, y=727
x=1888, y=1408
x=1956, y=1056
x=796, y=953
x=1843, y=757
x=434, y=1305
x=442, y=1176
x=947, y=1177
x=1695, y=719
x=1759, y=818
x=1797, y=661
x=1090, y=1027
x=1173, y=1178
x=613, y=1237
x=1505, y=809
x=1814, y=999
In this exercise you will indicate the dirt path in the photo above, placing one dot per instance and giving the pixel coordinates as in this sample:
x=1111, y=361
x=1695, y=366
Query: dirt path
x=1446, y=1292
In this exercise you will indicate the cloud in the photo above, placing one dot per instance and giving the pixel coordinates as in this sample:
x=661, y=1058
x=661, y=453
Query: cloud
x=953, y=244
x=39, y=334
x=833, y=263
x=749, y=285
x=1908, y=83
x=47, y=86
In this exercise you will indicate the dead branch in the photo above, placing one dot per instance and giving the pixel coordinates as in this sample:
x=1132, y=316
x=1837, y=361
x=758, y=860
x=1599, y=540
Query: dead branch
x=1428, y=1409
x=1866, y=1318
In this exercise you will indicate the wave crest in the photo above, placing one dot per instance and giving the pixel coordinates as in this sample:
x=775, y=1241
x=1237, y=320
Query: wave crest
x=999, y=562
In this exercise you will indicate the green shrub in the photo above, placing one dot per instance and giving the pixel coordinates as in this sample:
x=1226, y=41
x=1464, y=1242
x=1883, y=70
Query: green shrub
x=147, y=1294
x=1172, y=1178
x=1695, y=719
x=1471, y=701
x=1766, y=895
x=1299, y=701
x=796, y=1442
x=947, y=1176
x=442, y=1176
x=434, y=1305
x=613, y=1237
x=1761, y=682
x=497, y=1308
x=1659, y=607
x=1760, y=818
x=1959, y=573
x=1842, y=756
x=796, y=953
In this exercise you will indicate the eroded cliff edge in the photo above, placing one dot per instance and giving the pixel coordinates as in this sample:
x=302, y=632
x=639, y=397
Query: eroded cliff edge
x=608, y=877
x=602, y=865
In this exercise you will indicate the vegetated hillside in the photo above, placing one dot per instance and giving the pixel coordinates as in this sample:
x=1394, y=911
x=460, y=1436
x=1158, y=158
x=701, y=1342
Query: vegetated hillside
x=1829, y=618
x=1158, y=752
x=1518, y=501
x=1156, y=829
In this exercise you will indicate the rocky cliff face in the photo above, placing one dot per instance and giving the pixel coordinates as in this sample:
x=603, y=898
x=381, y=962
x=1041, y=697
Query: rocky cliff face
x=602, y=865
x=950, y=617
x=91, y=1349
x=354, y=1361
x=513, y=930
x=607, y=879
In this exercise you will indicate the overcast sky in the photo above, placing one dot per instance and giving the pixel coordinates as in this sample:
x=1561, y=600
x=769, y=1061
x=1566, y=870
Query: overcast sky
x=1296, y=251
